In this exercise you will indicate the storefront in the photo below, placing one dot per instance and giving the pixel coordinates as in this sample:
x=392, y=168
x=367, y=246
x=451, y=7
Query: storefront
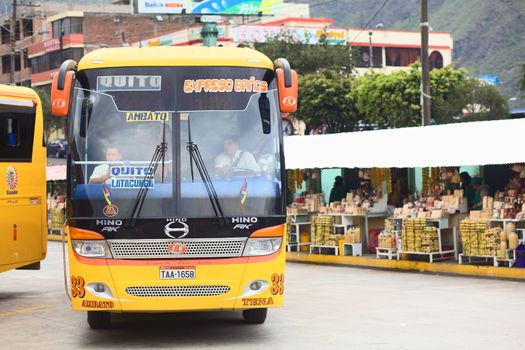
x=416, y=194
x=56, y=192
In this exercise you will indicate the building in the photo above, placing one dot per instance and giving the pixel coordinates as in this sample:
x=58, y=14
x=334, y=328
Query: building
x=32, y=27
x=75, y=33
x=397, y=49
x=50, y=33
x=380, y=49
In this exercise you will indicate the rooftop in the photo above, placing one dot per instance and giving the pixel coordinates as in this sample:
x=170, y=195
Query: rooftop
x=174, y=56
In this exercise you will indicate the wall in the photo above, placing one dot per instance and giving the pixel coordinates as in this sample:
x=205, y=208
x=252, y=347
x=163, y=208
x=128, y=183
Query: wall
x=106, y=28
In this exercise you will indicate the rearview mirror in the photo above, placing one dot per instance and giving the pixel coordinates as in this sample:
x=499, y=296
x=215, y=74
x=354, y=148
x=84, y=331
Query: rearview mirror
x=287, y=86
x=61, y=89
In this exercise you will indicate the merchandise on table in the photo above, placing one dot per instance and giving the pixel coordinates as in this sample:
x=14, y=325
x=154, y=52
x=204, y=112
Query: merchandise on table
x=387, y=238
x=323, y=232
x=353, y=235
x=312, y=203
x=478, y=238
x=57, y=218
x=417, y=237
x=430, y=207
x=358, y=203
x=288, y=229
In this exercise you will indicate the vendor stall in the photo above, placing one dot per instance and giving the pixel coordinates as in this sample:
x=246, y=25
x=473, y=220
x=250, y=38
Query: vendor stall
x=427, y=221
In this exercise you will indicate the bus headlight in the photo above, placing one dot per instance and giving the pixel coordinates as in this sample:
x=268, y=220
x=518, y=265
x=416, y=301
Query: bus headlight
x=262, y=246
x=92, y=249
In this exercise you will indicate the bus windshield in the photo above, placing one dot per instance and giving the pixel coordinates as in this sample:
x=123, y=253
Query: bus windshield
x=213, y=151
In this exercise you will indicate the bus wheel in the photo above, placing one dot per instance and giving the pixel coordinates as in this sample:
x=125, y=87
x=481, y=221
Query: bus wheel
x=98, y=319
x=255, y=316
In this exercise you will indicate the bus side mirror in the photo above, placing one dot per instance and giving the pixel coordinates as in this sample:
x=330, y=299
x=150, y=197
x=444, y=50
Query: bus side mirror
x=287, y=86
x=61, y=89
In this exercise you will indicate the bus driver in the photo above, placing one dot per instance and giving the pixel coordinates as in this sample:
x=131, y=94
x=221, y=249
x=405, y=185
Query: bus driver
x=234, y=158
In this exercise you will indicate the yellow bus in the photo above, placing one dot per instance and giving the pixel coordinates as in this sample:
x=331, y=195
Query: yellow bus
x=23, y=220
x=175, y=196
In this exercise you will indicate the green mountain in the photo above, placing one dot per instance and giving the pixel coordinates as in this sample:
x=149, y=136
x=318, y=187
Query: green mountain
x=489, y=36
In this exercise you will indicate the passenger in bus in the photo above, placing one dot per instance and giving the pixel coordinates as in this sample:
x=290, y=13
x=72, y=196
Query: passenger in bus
x=102, y=172
x=234, y=160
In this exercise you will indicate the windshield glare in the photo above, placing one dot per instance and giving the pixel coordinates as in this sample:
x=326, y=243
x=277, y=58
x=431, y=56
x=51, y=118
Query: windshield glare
x=113, y=149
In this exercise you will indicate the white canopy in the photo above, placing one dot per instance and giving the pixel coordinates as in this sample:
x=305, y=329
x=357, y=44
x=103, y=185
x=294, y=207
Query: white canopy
x=55, y=172
x=473, y=143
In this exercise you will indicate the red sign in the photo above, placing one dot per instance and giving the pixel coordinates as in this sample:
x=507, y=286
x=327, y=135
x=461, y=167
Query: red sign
x=177, y=248
x=52, y=45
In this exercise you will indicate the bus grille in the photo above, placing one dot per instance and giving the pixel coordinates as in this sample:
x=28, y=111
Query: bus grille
x=177, y=291
x=188, y=248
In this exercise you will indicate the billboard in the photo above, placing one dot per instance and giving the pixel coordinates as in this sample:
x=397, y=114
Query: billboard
x=207, y=7
x=313, y=36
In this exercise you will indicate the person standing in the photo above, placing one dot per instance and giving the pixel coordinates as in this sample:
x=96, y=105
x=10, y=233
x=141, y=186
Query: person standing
x=338, y=192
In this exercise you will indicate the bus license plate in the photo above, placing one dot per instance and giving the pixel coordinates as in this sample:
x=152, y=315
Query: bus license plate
x=177, y=273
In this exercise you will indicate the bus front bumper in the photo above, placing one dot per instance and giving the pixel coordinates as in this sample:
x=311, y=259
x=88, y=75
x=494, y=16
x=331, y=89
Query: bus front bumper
x=136, y=285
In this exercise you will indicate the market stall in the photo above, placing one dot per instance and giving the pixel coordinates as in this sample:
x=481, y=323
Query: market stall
x=429, y=222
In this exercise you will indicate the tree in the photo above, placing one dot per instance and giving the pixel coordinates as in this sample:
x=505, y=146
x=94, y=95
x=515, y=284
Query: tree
x=486, y=102
x=389, y=100
x=455, y=94
x=393, y=100
x=51, y=123
x=307, y=58
x=450, y=90
x=323, y=99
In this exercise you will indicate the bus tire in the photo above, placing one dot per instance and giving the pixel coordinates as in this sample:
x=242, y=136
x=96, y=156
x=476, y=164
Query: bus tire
x=98, y=319
x=255, y=316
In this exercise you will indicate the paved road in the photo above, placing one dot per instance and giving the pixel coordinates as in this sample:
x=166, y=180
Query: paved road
x=326, y=307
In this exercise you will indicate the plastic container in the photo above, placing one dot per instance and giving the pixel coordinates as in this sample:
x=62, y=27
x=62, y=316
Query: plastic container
x=373, y=238
x=520, y=256
x=513, y=240
x=303, y=238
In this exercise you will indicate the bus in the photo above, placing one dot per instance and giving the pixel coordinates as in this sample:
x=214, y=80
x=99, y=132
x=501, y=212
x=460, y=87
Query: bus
x=176, y=179
x=23, y=217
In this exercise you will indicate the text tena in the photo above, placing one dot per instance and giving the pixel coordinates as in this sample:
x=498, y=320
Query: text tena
x=257, y=301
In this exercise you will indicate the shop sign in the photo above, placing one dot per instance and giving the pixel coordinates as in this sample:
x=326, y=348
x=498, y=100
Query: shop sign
x=207, y=7
x=313, y=36
x=164, y=6
x=52, y=45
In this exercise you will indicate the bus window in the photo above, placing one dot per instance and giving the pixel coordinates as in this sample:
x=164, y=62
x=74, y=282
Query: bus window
x=16, y=133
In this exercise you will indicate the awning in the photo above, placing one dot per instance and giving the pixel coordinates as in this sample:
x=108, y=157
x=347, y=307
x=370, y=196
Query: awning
x=55, y=173
x=473, y=143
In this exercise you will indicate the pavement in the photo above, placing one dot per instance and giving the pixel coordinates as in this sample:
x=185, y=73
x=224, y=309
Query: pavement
x=326, y=307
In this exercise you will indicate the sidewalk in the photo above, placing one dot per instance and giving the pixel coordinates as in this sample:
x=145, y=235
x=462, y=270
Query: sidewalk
x=450, y=267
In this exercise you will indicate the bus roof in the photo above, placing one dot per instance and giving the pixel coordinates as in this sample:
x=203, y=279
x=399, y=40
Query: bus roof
x=17, y=92
x=174, y=56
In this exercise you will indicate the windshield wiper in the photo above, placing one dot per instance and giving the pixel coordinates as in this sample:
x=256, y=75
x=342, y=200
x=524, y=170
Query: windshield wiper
x=196, y=157
x=158, y=156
